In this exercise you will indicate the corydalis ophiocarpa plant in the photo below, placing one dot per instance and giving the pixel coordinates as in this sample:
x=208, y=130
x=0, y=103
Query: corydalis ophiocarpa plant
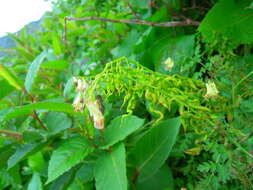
x=91, y=103
x=123, y=76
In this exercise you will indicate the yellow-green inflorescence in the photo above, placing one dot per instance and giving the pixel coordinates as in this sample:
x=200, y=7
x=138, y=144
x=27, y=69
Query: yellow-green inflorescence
x=136, y=82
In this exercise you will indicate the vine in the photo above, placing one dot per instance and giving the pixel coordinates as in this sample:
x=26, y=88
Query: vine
x=135, y=82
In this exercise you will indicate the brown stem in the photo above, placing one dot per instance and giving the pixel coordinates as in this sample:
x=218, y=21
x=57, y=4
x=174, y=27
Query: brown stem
x=36, y=117
x=187, y=22
x=17, y=135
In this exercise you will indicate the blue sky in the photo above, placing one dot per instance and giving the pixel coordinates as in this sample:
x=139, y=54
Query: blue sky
x=14, y=14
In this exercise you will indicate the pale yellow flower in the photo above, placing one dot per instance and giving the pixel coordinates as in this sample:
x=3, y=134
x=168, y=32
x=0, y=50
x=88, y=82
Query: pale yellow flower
x=169, y=63
x=211, y=90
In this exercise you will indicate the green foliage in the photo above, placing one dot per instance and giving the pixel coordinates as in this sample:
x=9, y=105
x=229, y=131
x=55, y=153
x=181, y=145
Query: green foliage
x=154, y=107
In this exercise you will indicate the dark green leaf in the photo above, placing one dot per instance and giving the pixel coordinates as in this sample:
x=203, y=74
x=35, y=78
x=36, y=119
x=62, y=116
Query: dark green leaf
x=56, y=122
x=230, y=19
x=161, y=180
x=120, y=128
x=70, y=153
x=110, y=172
x=23, y=152
x=153, y=148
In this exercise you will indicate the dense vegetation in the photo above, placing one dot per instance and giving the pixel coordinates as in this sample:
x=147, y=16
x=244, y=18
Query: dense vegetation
x=108, y=105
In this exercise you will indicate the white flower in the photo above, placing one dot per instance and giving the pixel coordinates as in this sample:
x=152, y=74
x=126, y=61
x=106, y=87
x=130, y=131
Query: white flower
x=211, y=90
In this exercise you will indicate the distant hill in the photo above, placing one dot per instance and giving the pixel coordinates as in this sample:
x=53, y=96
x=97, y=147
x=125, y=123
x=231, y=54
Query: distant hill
x=7, y=42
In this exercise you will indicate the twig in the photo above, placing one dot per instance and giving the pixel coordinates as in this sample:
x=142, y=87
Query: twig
x=36, y=117
x=132, y=10
x=16, y=135
x=187, y=22
x=196, y=7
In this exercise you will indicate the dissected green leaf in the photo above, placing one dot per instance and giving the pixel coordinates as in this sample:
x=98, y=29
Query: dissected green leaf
x=110, y=172
x=151, y=151
x=120, y=128
x=70, y=153
x=230, y=19
x=33, y=70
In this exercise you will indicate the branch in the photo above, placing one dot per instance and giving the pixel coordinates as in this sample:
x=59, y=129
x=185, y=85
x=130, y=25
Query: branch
x=16, y=135
x=36, y=117
x=187, y=22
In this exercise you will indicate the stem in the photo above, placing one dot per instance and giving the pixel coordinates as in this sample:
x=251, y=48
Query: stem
x=187, y=22
x=17, y=135
x=236, y=86
x=36, y=117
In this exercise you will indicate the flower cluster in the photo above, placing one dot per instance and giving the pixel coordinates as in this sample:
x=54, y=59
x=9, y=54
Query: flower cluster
x=83, y=100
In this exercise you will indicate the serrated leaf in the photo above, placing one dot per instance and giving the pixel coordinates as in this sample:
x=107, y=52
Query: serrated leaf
x=35, y=182
x=120, y=128
x=70, y=153
x=8, y=76
x=230, y=19
x=23, y=152
x=154, y=147
x=33, y=70
x=8, y=114
x=110, y=172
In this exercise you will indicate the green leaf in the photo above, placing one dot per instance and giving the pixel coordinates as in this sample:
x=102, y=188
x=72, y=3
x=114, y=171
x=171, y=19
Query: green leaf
x=152, y=150
x=8, y=114
x=70, y=153
x=23, y=152
x=161, y=180
x=110, y=172
x=6, y=89
x=33, y=70
x=36, y=162
x=180, y=50
x=56, y=122
x=120, y=128
x=230, y=19
x=35, y=182
x=56, y=64
x=85, y=173
x=11, y=78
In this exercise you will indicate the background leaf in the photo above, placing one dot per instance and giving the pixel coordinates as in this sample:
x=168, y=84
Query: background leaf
x=8, y=76
x=230, y=19
x=33, y=70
